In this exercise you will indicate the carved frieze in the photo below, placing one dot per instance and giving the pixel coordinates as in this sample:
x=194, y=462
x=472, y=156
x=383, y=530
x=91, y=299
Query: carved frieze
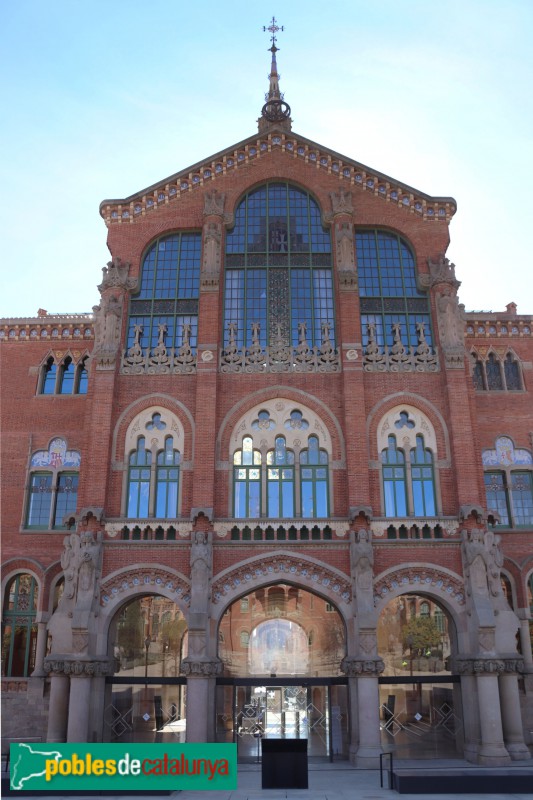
x=81, y=668
x=398, y=357
x=360, y=667
x=209, y=668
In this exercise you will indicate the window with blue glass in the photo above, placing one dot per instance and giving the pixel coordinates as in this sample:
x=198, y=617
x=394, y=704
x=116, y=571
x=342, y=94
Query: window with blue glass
x=52, y=492
x=247, y=481
x=64, y=377
x=314, y=480
x=510, y=495
x=280, y=480
x=166, y=307
x=278, y=269
x=387, y=289
x=167, y=481
x=422, y=480
x=139, y=471
x=394, y=480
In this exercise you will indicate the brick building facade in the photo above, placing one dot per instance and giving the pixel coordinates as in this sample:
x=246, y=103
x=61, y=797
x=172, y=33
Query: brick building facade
x=278, y=481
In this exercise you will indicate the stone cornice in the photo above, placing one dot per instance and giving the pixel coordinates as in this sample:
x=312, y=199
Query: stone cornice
x=54, y=329
x=204, y=173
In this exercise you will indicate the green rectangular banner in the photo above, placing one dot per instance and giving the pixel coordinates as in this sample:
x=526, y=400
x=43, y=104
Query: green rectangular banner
x=105, y=767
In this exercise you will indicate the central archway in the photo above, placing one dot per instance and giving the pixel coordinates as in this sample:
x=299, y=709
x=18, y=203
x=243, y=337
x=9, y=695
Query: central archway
x=281, y=647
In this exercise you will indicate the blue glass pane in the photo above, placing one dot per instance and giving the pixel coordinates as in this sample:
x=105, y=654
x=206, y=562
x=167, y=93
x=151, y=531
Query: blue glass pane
x=418, y=499
x=429, y=499
x=67, y=378
x=401, y=504
x=66, y=498
x=321, y=488
x=255, y=499
x=49, y=382
x=273, y=499
x=288, y=499
x=307, y=499
x=388, y=492
x=239, y=495
x=40, y=500
x=83, y=380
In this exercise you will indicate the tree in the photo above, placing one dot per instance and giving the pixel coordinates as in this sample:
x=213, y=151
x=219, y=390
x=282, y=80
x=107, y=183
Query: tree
x=130, y=631
x=420, y=635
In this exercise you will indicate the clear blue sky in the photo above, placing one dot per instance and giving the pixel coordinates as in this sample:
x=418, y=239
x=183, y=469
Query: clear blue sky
x=101, y=99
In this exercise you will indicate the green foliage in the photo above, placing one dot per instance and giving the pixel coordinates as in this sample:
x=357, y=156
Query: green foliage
x=172, y=632
x=421, y=634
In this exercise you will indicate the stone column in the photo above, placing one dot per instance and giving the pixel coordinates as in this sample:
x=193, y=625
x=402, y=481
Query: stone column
x=40, y=651
x=58, y=709
x=492, y=752
x=365, y=745
x=79, y=707
x=201, y=675
x=513, y=733
x=525, y=642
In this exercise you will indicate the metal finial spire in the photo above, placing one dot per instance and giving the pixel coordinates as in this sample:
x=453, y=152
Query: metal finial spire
x=275, y=110
x=273, y=28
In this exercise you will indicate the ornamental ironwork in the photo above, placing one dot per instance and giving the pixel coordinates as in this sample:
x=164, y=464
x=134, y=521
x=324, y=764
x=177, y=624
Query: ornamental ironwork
x=159, y=359
x=397, y=357
x=279, y=356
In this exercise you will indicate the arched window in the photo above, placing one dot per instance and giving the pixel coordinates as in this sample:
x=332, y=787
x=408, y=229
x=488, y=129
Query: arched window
x=494, y=373
x=49, y=376
x=314, y=480
x=394, y=480
x=53, y=486
x=388, y=291
x=509, y=487
x=477, y=374
x=168, y=293
x=82, y=378
x=167, y=481
x=139, y=480
x=66, y=377
x=280, y=476
x=278, y=269
x=247, y=481
x=19, y=626
x=423, y=480
x=511, y=372
x=245, y=638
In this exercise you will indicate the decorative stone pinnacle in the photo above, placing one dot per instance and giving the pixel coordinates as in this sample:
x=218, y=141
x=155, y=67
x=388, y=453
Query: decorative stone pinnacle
x=276, y=110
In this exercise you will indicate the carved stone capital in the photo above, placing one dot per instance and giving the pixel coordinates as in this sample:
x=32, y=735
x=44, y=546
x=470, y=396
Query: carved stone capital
x=440, y=271
x=79, y=668
x=356, y=667
x=203, y=669
x=214, y=204
x=341, y=202
x=480, y=666
x=116, y=275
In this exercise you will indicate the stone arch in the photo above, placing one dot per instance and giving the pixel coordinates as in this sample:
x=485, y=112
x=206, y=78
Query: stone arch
x=156, y=401
x=28, y=566
x=267, y=398
x=442, y=585
x=264, y=570
x=127, y=583
x=427, y=412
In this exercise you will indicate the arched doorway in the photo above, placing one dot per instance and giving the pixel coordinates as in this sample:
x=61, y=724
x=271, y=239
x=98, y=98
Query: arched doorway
x=146, y=697
x=281, y=647
x=420, y=699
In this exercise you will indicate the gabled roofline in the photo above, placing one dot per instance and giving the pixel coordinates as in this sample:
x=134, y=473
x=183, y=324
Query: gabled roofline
x=207, y=170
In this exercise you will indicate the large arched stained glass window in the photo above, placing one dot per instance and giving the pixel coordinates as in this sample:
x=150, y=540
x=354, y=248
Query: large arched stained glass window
x=278, y=269
x=390, y=300
x=166, y=307
x=19, y=628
